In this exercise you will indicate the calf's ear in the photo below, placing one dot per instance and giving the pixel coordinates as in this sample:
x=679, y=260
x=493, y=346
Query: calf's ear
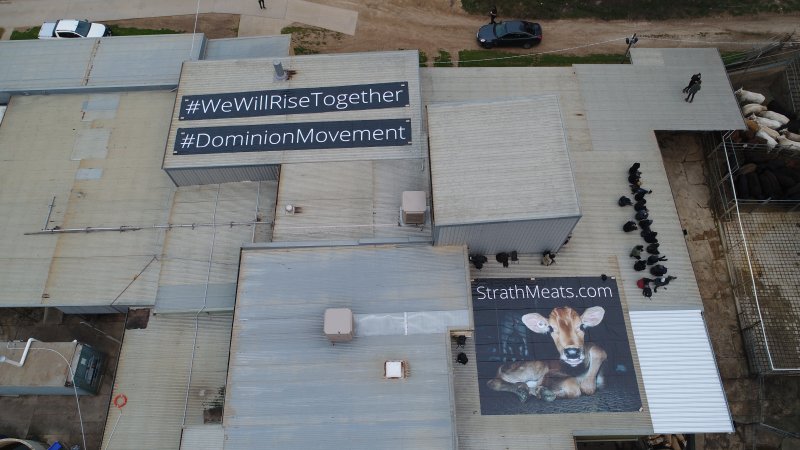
x=537, y=323
x=592, y=316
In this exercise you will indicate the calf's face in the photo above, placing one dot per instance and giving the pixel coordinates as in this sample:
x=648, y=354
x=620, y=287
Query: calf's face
x=566, y=328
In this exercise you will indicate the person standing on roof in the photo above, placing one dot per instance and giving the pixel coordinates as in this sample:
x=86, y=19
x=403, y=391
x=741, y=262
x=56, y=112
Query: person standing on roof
x=695, y=79
x=693, y=90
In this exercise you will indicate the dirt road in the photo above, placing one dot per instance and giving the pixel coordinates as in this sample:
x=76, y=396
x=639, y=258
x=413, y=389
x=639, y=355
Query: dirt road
x=430, y=25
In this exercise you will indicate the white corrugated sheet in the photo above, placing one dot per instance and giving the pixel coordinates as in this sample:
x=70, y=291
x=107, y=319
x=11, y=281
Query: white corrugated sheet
x=679, y=372
x=203, y=437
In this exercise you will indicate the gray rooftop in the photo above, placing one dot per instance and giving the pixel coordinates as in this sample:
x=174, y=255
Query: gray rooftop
x=349, y=200
x=76, y=152
x=647, y=96
x=500, y=161
x=117, y=62
x=248, y=47
x=312, y=71
x=288, y=387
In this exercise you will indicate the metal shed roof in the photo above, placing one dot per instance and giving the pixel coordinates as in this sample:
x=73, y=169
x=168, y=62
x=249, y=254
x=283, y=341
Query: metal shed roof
x=349, y=200
x=97, y=183
x=500, y=161
x=288, y=387
x=646, y=96
x=153, y=374
x=311, y=71
x=248, y=47
x=680, y=373
x=99, y=64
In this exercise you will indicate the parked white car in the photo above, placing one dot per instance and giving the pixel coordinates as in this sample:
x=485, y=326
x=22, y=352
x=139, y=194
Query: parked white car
x=71, y=28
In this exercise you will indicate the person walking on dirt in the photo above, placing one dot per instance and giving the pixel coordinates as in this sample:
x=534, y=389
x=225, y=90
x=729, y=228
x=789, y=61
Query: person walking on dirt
x=693, y=90
x=261, y=4
x=493, y=15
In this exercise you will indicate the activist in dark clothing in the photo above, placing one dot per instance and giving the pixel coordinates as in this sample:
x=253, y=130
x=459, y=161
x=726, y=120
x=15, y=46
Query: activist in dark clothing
x=658, y=270
x=654, y=259
x=629, y=226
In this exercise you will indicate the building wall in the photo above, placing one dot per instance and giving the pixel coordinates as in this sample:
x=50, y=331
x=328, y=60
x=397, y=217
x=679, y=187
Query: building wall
x=529, y=236
x=217, y=175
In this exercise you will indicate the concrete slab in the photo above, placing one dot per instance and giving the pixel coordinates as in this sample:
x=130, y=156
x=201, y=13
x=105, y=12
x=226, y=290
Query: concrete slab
x=261, y=26
x=336, y=19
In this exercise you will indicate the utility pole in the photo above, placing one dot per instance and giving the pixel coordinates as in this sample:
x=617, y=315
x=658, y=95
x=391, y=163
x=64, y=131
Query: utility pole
x=631, y=41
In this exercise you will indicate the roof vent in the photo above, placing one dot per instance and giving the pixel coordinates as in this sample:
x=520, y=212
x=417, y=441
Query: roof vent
x=339, y=324
x=394, y=370
x=280, y=74
x=414, y=207
x=290, y=209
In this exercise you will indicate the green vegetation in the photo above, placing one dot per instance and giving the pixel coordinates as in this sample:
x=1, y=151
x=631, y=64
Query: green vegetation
x=493, y=58
x=30, y=33
x=624, y=9
x=309, y=40
x=117, y=30
x=443, y=60
x=300, y=50
x=732, y=57
x=423, y=59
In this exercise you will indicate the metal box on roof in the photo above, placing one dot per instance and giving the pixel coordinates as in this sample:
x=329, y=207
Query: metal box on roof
x=339, y=324
x=414, y=207
x=499, y=184
x=46, y=372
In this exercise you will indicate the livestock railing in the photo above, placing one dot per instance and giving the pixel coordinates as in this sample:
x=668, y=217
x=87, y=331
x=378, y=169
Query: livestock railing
x=793, y=80
x=761, y=244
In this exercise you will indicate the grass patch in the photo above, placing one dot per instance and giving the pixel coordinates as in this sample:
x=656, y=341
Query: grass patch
x=300, y=50
x=117, y=30
x=443, y=59
x=30, y=33
x=423, y=59
x=493, y=58
x=732, y=57
x=624, y=9
x=309, y=40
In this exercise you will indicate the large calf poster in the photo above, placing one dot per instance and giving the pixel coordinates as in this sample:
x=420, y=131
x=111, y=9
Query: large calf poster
x=552, y=346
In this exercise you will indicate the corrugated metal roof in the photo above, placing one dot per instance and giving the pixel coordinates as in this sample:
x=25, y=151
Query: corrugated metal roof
x=188, y=281
x=312, y=71
x=103, y=63
x=248, y=47
x=498, y=161
x=153, y=374
x=647, y=96
x=348, y=200
x=82, y=269
x=288, y=387
x=598, y=244
x=680, y=373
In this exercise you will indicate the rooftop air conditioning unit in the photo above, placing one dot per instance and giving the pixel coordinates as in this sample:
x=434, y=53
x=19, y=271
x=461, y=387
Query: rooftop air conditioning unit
x=414, y=207
x=339, y=324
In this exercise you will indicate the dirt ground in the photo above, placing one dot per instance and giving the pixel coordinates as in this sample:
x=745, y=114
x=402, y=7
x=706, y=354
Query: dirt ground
x=431, y=25
x=54, y=418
